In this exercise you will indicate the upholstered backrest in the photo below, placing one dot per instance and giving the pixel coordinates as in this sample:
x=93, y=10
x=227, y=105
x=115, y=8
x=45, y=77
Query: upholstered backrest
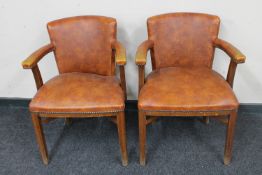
x=182, y=39
x=83, y=44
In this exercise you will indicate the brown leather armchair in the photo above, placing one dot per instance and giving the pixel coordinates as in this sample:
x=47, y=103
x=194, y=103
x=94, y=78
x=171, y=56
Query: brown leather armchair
x=86, y=52
x=182, y=82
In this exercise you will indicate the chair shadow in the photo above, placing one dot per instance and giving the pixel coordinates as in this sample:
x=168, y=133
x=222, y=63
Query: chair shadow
x=58, y=140
x=207, y=142
x=158, y=132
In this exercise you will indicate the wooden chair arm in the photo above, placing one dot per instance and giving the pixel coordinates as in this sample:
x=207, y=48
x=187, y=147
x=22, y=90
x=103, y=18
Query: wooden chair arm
x=230, y=50
x=142, y=52
x=120, y=53
x=235, y=55
x=141, y=55
x=120, y=56
x=34, y=58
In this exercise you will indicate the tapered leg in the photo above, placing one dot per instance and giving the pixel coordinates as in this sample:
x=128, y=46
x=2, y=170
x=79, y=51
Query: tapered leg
x=121, y=126
x=40, y=137
x=142, y=137
x=224, y=119
x=229, y=138
x=68, y=121
x=206, y=120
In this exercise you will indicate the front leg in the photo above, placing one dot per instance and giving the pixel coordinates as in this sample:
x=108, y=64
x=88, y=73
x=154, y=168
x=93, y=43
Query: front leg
x=229, y=137
x=40, y=137
x=121, y=127
x=142, y=138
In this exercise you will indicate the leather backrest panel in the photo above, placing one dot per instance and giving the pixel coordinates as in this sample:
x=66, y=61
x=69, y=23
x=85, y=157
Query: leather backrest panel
x=83, y=44
x=183, y=39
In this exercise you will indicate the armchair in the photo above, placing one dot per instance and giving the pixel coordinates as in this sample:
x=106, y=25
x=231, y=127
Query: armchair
x=182, y=82
x=86, y=52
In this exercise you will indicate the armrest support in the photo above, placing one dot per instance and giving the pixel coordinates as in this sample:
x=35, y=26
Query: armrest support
x=231, y=73
x=231, y=51
x=142, y=52
x=235, y=55
x=37, y=77
x=120, y=56
x=141, y=76
x=141, y=55
x=34, y=58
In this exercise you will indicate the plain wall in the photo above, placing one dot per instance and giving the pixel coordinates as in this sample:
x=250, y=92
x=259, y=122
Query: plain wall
x=23, y=30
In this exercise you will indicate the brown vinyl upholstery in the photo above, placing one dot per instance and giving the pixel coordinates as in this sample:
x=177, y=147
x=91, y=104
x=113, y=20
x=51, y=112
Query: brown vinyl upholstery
x=186, y=89
x=84, y=44
x=183, y=39
x=182, y=82
x=78, y=93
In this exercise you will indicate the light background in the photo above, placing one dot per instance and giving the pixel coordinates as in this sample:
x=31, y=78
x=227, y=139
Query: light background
x=23, y=30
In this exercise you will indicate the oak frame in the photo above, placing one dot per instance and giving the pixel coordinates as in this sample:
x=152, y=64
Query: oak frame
x=230, y=116
x=117, y=117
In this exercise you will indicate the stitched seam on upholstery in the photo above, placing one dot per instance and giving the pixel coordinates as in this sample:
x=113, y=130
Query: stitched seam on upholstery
x=103, y=112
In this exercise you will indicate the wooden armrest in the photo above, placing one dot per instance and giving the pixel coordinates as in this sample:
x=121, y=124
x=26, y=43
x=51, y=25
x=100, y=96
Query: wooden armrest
x=34, y=58
x=235, y=55
x=142, y=52
x=233, y=52
x=141, y=60
x=120, y=53
x=120, y=56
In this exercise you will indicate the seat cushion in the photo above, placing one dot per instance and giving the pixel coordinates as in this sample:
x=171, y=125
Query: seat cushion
x=186, y=89
x=79, y=93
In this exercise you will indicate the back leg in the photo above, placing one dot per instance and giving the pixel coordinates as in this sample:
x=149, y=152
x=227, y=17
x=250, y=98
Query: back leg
x=206, y=120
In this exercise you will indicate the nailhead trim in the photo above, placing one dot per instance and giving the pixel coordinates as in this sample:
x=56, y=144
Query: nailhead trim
x=203, y=111
x=79, y=112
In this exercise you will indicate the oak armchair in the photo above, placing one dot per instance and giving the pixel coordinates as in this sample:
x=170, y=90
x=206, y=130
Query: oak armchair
x=86, y=52
x=182, y=82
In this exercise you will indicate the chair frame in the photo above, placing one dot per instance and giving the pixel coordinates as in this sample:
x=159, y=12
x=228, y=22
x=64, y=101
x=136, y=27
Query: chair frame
x=117, y=117
x=148, y=117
